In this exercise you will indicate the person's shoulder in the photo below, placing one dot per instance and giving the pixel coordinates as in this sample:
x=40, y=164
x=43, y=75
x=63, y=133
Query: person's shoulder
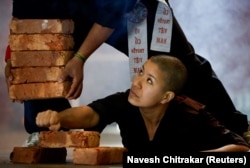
x=190, y=105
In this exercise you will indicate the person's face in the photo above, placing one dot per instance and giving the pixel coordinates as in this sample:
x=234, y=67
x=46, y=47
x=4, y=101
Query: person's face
x=147, y=86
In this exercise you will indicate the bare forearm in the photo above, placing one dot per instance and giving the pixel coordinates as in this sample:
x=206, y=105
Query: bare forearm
x=78, y=118
x=230, y=148
x=96, y=37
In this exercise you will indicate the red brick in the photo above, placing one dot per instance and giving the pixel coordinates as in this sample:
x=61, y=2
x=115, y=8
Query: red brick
x=98, y=155
x=58, y=139
x=36, y=74
x=39, y=155
x=23, y=42
x=40, y=58
x=38, y=90
x=34, y=26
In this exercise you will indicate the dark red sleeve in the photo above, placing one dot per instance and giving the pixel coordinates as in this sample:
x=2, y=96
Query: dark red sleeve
x=7, y=53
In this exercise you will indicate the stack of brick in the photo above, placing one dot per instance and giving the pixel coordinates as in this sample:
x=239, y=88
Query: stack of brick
x=86, y=149
x=40, y=49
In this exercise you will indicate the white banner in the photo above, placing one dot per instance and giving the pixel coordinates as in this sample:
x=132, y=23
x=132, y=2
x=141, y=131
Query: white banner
x=137, y=38
x=162, y=33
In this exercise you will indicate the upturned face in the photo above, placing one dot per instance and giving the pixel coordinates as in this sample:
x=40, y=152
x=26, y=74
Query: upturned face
x=147, y=86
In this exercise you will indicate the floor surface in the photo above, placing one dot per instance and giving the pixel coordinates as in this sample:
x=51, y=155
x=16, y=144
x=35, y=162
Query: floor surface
x=10, y=139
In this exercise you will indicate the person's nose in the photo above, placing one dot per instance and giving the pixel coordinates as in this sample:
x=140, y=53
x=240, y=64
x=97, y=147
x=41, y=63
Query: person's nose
x=137, y=81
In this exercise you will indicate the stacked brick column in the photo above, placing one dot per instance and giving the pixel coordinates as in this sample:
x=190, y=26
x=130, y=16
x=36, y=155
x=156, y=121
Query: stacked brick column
x=40, y=49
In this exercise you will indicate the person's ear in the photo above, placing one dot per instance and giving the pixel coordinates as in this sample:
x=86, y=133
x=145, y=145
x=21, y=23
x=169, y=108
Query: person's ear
x=168, y=96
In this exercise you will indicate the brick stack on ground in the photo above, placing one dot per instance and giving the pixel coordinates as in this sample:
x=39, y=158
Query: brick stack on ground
x=40, y=49
x=86, y=149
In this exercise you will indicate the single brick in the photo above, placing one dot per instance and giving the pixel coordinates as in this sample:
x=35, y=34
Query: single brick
x=37, y=26
x=39, y=155
x=35, y=74
x=23, y=42
x=58, y=139
x=98, y=155
x=40, y=58
x=31, y=91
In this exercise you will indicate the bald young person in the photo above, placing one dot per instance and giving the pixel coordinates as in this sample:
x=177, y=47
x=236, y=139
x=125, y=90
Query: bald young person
x=152, y=115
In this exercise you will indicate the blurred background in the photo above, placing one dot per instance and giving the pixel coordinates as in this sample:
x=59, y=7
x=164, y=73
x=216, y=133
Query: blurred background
x=218, y=30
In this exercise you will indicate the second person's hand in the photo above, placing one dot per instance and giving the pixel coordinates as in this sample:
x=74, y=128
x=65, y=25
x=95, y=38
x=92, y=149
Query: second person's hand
x=74, y=71
x=9, y=77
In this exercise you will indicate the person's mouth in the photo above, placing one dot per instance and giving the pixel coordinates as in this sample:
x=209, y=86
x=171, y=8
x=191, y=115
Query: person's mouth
x=132, y=93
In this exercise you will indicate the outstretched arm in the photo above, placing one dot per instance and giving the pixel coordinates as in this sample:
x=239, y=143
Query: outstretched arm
x=72, y=118
x=232, y=141
x=230, y=148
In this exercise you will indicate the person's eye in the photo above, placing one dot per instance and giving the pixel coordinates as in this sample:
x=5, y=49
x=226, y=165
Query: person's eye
x=149, y=81
x=140, y=71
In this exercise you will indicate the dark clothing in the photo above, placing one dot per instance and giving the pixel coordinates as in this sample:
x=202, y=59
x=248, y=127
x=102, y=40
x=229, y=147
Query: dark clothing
x=108, y=13
x=185, y=126
x=202, y=85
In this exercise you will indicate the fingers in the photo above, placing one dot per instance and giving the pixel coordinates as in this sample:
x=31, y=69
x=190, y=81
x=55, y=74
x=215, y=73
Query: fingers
x=18, y=101
x=63, y=76
x=75, y=90
x=73, y=70
x=48, y=119
x=8, y=75
x=78, y=91
x=54, y=127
